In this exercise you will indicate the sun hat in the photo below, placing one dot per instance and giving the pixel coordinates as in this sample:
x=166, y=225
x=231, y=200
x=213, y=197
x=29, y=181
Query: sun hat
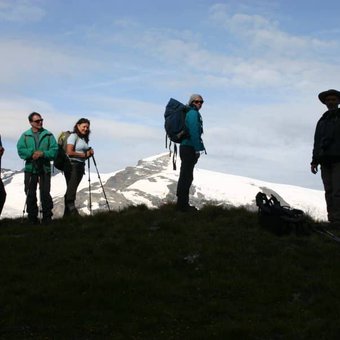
x=322, y=96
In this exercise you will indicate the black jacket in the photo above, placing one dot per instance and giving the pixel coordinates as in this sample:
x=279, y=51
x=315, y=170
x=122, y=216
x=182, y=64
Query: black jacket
x=327, y=138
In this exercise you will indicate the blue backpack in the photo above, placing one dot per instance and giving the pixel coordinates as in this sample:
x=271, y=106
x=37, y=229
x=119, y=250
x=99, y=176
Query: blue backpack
x=174, y=125
x=175, y=129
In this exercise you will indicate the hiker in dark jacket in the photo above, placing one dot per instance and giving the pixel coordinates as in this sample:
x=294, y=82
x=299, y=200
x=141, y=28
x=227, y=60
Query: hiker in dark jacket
x=190, y=151
x=38, y=148
x=78, y=151
x=326, y=152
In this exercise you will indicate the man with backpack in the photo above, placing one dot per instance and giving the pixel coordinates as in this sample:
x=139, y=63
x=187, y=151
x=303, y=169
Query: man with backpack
x=190, y=149
x=38, y=148
x=326, y=152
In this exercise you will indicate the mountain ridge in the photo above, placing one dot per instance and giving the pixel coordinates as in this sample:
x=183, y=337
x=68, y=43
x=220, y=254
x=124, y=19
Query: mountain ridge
x=153, y=182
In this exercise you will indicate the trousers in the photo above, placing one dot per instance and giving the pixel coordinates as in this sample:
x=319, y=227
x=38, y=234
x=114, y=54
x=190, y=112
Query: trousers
x=2, y=195
x=31, y=183
x=330, y=175
x=74, y=173
x=186, y=175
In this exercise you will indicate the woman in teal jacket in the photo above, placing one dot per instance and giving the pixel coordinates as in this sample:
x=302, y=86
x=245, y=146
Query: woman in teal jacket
x=38, y=148
x=190, y=150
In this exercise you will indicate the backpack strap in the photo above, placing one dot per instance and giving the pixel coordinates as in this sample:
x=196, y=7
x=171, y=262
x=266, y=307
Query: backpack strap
x=174, y=157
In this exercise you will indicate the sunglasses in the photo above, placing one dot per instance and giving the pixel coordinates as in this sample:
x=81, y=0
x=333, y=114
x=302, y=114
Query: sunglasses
x=37, y=121
x=198, y=101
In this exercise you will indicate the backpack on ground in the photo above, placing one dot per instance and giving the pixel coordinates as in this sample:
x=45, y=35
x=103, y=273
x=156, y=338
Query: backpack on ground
x=279, y=219
x=176, y=131
x=61, y=158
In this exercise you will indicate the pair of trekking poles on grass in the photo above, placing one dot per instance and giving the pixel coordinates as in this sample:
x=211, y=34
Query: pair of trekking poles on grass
x=90, y=194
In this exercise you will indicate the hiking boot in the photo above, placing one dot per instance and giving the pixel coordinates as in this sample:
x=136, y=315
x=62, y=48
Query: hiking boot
x=33, y=221
x=70, y=210
x=186, y=208
x=46, y=220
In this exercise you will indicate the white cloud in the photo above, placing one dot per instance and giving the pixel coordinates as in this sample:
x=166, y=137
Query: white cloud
x=265, y=36
x=31, y=61
x=21, y=11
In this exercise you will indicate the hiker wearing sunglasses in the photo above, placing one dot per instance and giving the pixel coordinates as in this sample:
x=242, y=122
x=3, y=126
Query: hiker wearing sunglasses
x=326, y=153
x=190, y=150
x=38, y=147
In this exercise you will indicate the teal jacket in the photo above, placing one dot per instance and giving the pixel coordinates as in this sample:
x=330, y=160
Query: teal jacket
x=194, y=125
x=26, y=146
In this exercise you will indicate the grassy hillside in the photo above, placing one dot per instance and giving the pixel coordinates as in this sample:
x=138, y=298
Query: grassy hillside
x=161, y=274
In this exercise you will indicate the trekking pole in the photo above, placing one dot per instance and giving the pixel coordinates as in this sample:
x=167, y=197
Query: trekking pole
x=40, y=199
x=101, y=184
x=325, y=232
x=26, y=192
x=89, y=179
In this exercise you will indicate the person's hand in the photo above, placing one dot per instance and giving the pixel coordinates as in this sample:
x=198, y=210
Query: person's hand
x=37, y=154
x=198, y=154
x=89, y=153
x=314, y=168
x=2, y=150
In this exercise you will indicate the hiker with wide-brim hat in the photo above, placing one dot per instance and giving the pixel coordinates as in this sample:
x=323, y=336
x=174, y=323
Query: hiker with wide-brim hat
x=326, y=153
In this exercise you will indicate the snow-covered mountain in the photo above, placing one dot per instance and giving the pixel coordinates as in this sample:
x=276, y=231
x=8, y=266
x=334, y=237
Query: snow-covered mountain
x=153, y=182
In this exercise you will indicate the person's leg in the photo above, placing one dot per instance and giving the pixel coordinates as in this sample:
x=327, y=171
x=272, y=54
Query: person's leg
x=45, y=196
x=188, y=161
x=336, y=192
x=31, y=181
x=76, y=175
x=2, y=195
x=67, y=174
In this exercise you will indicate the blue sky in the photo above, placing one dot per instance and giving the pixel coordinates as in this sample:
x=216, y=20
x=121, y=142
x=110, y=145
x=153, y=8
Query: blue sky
x=258, y=64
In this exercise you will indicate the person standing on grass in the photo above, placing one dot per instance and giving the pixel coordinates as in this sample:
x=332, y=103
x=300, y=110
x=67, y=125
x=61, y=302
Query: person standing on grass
x=38, y=147
x=78, y=151
x=190, y=150
x=326, y=152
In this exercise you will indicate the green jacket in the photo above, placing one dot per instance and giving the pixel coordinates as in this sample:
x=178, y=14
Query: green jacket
x=26, y=146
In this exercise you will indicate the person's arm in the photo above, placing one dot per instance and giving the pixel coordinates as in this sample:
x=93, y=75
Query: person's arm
x=72, y=153
x=25, y=148
x=193, y=124
x=70, y=148
x=315, y=153
x=51, y=152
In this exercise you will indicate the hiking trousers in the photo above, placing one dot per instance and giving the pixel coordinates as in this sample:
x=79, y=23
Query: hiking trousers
x=73, y=176
x=2, y=195
x=186, y=175
x=330, y=175
x=31, y=183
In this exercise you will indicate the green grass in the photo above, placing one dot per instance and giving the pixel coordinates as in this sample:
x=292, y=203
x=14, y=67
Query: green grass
x=161, y=274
